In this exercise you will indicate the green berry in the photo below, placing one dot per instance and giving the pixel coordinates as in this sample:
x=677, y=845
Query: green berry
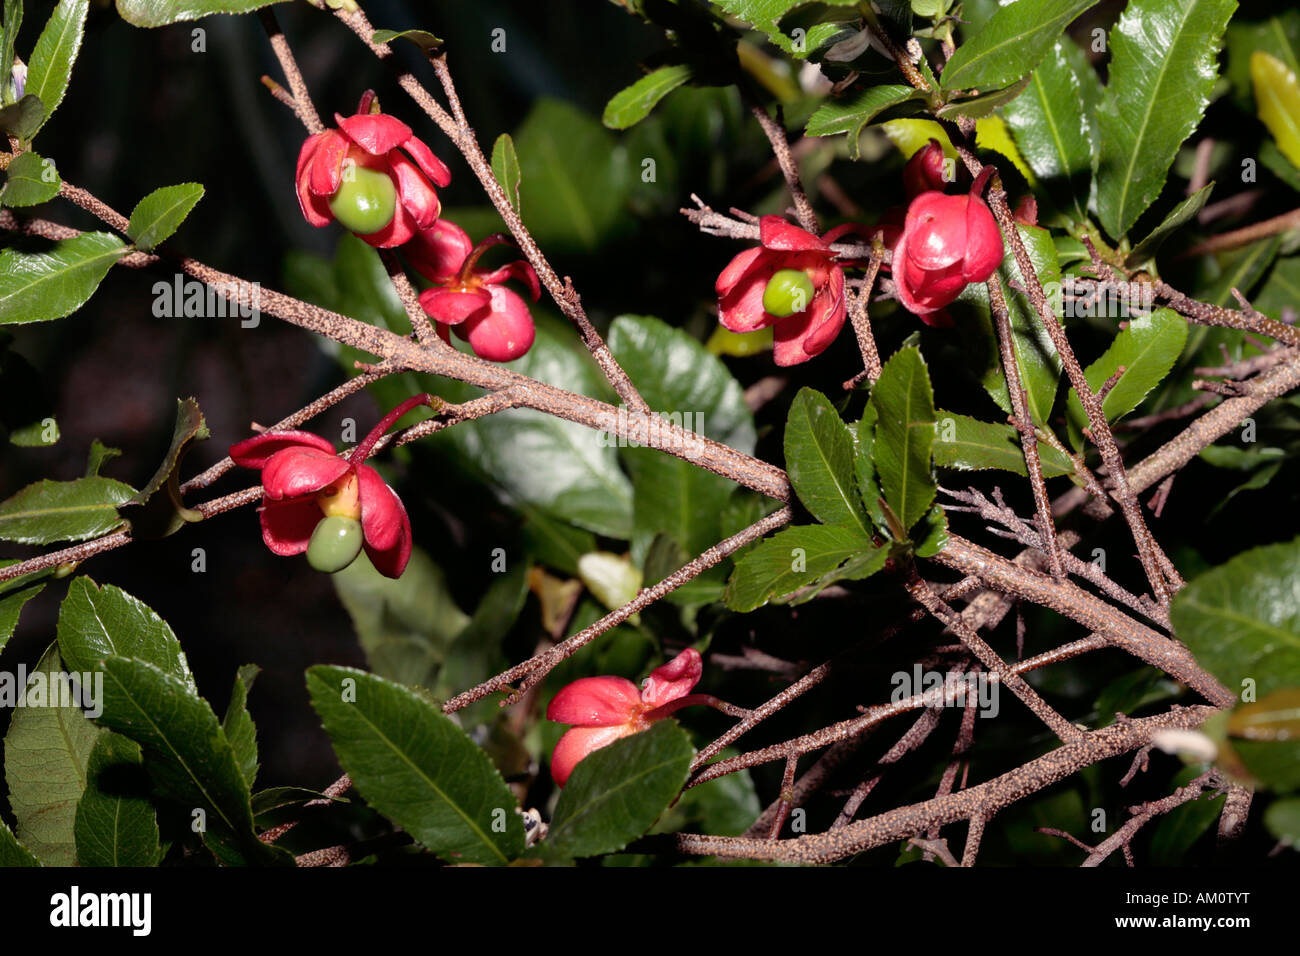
x=788, y=291
x=366, y=200
x=335, y=543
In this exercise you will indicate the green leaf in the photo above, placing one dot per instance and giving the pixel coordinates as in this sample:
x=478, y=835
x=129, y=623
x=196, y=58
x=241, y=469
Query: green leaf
x=36, y=287
x=724, y=806
x=1136, y=689
x=1277, y=96
x=1242, y=619
x=238, y=724
x=1053, y=131
x=766, y=15
x=13, y=18
x=30, y=181
x=864, y=469
x=819, y=457
x=1179, y=215
x=154, y=515
x=186, y=753
x=968, y=444
x=1010, y=44
x=691, y=388
x=13, y=853
x=23, y=119
x=416, y=767
x=631, y=105
x=50, y=67
x=1147, y=349
x=96, y=622
x=505, y=166
x=1281, y=289
x=789, y=560
x=1179, y=830
x=978, y=107
x=13, y=595
x=158, y=13
x=1239, y=269
x=116, y=824
x=904, y=402
x=159, y=214
x=74, y=510
x=618, y=792
x=852, y=114
x=46, y=750
x=1162, y=68
x=1282, y=818
x=425, y=40
x=405, y=625
x=573, y=178
x=931, y=535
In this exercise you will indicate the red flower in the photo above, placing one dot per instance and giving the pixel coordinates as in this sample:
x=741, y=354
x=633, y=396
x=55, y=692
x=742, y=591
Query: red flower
x=811, y=325
x=305, y=482
x=604, y=709
x=947, y=241
x=494, y=320
x=372, y=172
x=924, y=171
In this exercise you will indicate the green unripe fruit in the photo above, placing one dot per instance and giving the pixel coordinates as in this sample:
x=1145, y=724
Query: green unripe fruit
x=366, y=200
x=335, y=543
x=788, y=291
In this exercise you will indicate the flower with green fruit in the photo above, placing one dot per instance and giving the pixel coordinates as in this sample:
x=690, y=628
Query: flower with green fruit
x=329, y=506
x=372, y=175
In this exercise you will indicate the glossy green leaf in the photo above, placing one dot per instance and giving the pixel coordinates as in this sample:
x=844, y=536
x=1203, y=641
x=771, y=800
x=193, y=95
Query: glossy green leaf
x=38, y=286
x=96, y=622
x=1178, y=216
x=1238, y=269
x=1054, y=131
x=725, y=806
x=819, y=457
x=13, y=595
x=1147, y=349
x=13, y=853
x=1278, y=36
x=425, y=40
x=573, y=180
x=74, y=510
x=789, y=560
x=13, y=19
x=159, y=214
x=30, y=180
x=1277, y=97
x=22, y=119
x=50, y=67
x=1242, y=619
x=852, y=114
x=968, y=444
x=864, y=468
x=1275, y=764
x=186, y=754
x=238, y=724
x=766, y=15
x=505, y=166
x=982, y=105
x=116, y=824
x=632, y=104
x=405, y=625
x=416, y=767
x=682, y=382
x=1010, y=44
x=157, y=13
x=46, y=750
x=618, y=792
x=1163, y=64
x=156, y=515
x=904, y=403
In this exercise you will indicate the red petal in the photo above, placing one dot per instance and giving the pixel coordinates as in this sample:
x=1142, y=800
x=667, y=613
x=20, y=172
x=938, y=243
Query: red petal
x=314, y=208
x=384, y=519
x=780, y=236
x=577, y=743
x=327, y=164
x=439, y=251
x=737, y=269
x=788, y=337
x=254, y=452
x=902, y=286
x=983, y=243
x=396, y=233
x=741, y=308
x=596, y=702
x=414, y=191
x=675, y=679
x=453, y=307
x=376, y=133
x=519, y=269
x=504, y=333
x=936, y=229
x=287, y=525
x=300, y=471
x=829, y=312
x=433, y=167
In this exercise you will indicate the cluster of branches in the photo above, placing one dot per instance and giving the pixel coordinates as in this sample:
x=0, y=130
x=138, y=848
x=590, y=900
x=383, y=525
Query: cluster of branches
x=1044, y=573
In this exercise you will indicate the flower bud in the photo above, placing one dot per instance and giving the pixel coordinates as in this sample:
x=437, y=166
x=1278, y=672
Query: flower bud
x=924, y=171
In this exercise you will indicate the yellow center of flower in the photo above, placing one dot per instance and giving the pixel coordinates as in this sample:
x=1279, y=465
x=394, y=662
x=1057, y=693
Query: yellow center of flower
x=341, y=498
